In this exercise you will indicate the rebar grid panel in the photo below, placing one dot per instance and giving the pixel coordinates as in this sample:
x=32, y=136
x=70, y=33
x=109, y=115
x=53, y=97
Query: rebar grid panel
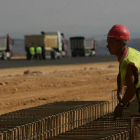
x=106, y=128
x=135, y=127
x=32, y=124
x=103, y=128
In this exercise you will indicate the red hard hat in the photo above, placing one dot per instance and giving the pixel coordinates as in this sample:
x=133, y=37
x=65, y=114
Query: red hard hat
x=120, y=32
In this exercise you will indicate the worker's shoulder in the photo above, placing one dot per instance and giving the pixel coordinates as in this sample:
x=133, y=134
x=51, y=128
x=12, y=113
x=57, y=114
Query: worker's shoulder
x=134, y=51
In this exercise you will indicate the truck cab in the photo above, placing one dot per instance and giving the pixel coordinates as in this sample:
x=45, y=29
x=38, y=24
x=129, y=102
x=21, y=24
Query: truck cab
x=5, y=47
x=64, y=45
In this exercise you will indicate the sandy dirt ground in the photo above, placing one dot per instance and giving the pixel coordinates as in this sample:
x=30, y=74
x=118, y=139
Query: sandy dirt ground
x=42, y=85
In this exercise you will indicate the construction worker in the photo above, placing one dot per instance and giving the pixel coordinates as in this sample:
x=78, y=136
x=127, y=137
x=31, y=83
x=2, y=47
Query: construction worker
x=38, y=53
x=32, y=52
x=129, y=66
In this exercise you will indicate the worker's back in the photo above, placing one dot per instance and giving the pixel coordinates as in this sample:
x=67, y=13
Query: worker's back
x=32, y=50
x=38, y=50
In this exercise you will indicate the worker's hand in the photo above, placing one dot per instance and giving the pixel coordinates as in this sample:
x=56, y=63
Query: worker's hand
x=118, y=111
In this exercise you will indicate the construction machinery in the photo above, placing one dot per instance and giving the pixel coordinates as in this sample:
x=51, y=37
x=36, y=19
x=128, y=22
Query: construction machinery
x=51, y=43
x=5, y=47
x=81, y=46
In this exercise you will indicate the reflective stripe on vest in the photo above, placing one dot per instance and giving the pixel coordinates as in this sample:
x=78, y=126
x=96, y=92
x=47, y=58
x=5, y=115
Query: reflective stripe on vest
x=132, y=57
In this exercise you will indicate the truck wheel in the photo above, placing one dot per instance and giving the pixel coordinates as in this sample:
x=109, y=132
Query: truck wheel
x=28, y=56
x=53, y=55
x=83, y=54
x=60, y=56
x=63, y=54
x=45, y=55
x=4, y=57
x=92, y=54
x=74, y=54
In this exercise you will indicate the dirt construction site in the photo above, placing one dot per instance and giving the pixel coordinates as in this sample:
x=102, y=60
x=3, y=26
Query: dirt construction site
x=63, y=102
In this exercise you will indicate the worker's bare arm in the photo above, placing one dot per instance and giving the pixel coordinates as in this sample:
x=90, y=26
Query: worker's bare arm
x=130, y=91
x=120, y=87
x=130, y=81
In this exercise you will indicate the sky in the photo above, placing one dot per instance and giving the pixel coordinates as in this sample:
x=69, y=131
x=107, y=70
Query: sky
x=72, y=17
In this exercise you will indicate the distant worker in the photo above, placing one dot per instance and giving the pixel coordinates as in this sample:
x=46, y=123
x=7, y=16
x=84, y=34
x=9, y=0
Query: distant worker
x=38, y=53
x=32, y=52
x=129, y=68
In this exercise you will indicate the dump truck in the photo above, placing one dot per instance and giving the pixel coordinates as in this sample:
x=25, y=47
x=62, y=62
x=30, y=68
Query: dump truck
x=82, y=46
x=51, y=43
x=5, y=47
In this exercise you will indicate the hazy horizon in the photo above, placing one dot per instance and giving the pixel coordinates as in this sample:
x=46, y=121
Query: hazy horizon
x=72, y=17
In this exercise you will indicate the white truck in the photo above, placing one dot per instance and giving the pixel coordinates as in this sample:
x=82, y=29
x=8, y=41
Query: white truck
x=81, y=46
x=51, y=43
x=5, y=47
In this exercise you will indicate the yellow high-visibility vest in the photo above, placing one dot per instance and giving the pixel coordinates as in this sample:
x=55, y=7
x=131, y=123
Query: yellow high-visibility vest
x=132, y=57
x=38, y=50
x=32, y=50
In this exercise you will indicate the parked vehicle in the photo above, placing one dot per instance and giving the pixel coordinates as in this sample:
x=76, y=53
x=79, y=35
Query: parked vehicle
x=81, y=46
x=51, y=43
x=5, y=47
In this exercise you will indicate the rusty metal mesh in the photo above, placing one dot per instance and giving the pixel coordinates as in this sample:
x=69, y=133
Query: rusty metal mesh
x=71, y=120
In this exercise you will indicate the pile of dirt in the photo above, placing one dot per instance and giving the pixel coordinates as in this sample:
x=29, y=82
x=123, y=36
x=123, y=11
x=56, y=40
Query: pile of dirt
x=28, y=72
